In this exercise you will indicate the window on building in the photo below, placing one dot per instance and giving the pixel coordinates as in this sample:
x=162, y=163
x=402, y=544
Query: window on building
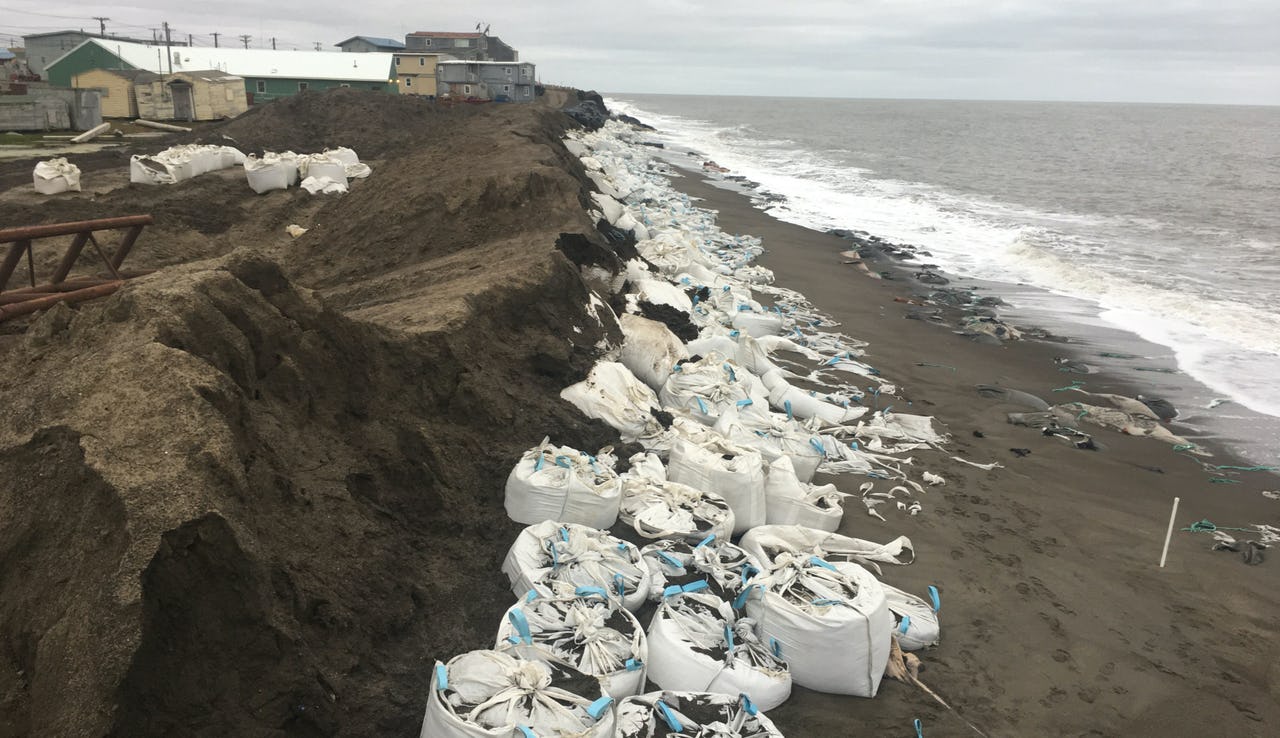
x=466, y=89
x=462, y=43
x=422, y=61
x=344, y=84
x=302, y=86
x=408, y=81
x=506, y=88
x=262, y=86
x=397, y=61
x=426, y=42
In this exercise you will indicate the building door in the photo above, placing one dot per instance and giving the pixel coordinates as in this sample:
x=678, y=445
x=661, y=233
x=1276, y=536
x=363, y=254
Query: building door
x=184, y=107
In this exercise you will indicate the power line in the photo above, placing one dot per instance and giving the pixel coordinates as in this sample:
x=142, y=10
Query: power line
x=245, y=39
x=47, y=15
x=102, y=24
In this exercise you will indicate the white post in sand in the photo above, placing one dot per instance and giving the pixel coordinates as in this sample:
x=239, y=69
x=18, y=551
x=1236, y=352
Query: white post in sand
x=1169, y=534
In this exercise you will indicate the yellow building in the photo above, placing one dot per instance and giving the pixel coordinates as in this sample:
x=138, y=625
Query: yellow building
x=115, y=89
x=416, y=72
x=198, y=95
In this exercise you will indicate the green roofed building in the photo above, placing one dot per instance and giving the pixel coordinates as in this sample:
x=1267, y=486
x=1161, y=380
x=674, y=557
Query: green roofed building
x=267, y=74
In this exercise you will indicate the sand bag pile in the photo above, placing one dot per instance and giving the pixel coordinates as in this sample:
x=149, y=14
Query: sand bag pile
x=56, y=176
x=180, y=163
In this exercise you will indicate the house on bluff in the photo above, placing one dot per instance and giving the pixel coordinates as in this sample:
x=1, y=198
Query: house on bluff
x=266, y=74
x=486, y=80
x=468, y=46
x=367, y=44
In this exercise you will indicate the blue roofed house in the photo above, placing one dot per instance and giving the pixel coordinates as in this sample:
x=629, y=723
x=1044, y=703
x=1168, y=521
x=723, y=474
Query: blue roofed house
x=367, y=44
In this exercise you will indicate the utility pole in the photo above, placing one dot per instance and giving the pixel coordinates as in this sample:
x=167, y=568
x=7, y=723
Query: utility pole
x=273, y=43
x=244, y=39
x=168, y=47
x=215, y=35
x=316, y=44
x=189, y=44
x=102, y=24
x=154, y=36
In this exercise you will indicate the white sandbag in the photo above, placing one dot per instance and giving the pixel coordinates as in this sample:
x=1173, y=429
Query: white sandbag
x=649, y=349
x=613, y=394
x=788, y=501
x=231, y=157
x=757, y=324
x=672, y=714
x=831, y=621
x=324, y=185
x=705, y=389
x=290, y=162
x=899, y=427
x=343, y=155
x=487, y=694
x=557, y=559
x=149, y=170
x=588, y=633
x=774, y=436
x=359, y=170
x=56, y=176
x=611, y=208
x=720, y=468
x=916, y=623
x=676, y=562
x=561, y=483
x=770, y=542
x=662, y=293
x=665, y=509
x=795, y=402
x=321, y=166
x=699, y=645
x=268, y=173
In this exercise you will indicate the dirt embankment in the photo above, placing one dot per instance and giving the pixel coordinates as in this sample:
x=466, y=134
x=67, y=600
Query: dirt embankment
x=259, y=491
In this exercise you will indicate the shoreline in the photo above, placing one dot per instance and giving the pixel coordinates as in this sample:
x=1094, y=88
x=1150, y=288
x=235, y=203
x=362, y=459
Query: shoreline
x=1025, y=555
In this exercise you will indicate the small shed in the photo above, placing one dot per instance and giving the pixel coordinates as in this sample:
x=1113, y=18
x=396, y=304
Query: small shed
x=115, y=87
x=197, y=95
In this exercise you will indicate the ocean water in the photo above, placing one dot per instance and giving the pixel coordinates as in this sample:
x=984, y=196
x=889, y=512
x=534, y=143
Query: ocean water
x=1156, y=220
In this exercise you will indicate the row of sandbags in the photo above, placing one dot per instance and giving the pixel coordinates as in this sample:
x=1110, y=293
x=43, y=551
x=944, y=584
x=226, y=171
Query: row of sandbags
x=180, y=163
x=325, y=173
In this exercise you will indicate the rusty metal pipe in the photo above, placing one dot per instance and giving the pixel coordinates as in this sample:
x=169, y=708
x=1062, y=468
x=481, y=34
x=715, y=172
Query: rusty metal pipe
x=69, y=258
x=66, y=229
x=11, y=262
x=31, y=306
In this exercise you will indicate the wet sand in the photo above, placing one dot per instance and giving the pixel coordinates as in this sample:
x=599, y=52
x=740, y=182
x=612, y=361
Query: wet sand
x=1056, y=619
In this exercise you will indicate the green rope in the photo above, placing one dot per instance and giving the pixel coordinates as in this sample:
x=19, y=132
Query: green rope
x=940, y=366
x=1075, y=384
x=1204, y=526
x=1184, y=447
x=1114, y=355
x=1246, y=468
x=1221, y=480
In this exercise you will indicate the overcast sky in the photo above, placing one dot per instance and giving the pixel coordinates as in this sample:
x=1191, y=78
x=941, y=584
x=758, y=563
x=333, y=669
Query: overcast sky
x=1206, y=51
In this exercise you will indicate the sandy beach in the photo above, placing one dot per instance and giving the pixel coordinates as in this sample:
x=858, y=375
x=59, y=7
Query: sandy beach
x=1056, y=619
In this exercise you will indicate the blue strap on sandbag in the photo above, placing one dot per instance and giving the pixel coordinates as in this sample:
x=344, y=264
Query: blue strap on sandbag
x=937, y=600
x=733, y=376
x=537, y=465
x=826, y=602
x=728, y=637
x=776, y=647
x=670, y=560
x=905, y=624
x=748, y=705
x=748, y=571
x=586, y=591
x=706, y=540
x=531, y=595
x=744, y=403
x=702, y=406
x=555, y=555
x=787, y=404
x=563, y=461
x=526, y=731
x=521, y=624
x=741, y=600
x=620, y=583
x=597, y=708
x=634, y=664
x=622, y=547
x=919, y=728
x=442, y=677
x=564, y=534
x=699, y=585
x=817, y=446
x=824, y=564
x=735, y=332
x=669, y=717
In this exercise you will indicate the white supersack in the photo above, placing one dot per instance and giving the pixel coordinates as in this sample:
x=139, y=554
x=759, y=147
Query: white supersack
x=788, y=501
x=720, y=468
x=613, y=394
x=916, y=623
x=557, y=559
x=757, y=324
x=268, y=173
x=56, y=175
x=588, y=633
x=707, y=388
x=769, y=542
x=899, y=427
x=487, y=694
x=649, y=349
x=324, y=185
x=149, y=170
x=725, y=567
x=343, y=155
x=700, y=646
x=231, y=157
x=756, y=427
x=322, y=166
x=659, y=292
x=673, y=714
x=611, y=208
x=662, y=509
x=800, y=404
x=560, y=483
x=831, y=622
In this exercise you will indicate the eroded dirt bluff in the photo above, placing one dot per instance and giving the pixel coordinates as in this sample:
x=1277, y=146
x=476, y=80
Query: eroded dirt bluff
x=260, y=491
